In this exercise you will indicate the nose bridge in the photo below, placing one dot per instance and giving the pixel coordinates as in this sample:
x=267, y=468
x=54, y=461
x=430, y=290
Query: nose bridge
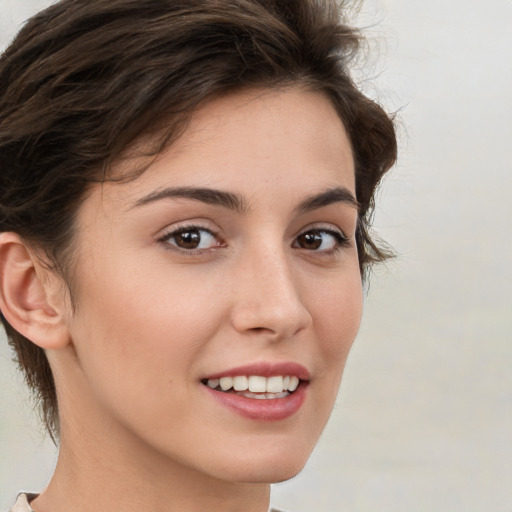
x=268, y=297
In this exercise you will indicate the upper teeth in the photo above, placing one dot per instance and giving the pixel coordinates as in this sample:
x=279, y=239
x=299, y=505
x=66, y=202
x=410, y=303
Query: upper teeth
x=256, y=383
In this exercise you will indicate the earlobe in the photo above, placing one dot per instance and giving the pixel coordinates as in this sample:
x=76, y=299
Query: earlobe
x=28, y=295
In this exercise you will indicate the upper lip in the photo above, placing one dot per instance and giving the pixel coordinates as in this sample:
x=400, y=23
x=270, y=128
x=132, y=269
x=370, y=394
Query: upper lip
x=265, y=369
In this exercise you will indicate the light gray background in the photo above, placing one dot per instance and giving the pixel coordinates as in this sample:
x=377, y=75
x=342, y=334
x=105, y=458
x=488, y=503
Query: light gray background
x=424, y=418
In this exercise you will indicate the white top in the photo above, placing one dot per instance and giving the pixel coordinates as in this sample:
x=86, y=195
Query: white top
x=22, y=504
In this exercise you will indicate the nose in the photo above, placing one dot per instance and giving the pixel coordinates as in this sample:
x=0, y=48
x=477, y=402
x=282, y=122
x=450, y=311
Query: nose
x=267, y=297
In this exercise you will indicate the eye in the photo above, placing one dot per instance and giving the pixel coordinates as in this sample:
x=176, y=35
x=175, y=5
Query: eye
x=192, y=238
x=321, y=240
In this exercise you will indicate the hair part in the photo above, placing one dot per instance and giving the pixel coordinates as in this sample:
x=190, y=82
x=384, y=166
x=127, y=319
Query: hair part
x=85, y=79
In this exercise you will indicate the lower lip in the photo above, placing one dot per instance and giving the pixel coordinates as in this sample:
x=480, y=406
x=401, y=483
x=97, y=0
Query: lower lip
x=270, y=409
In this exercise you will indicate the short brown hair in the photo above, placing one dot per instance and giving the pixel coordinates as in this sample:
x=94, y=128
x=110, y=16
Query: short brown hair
x=85, y=78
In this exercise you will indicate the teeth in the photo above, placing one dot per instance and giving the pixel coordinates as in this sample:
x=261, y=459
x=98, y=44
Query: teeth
x=226, y=383
x=257, y=384
x=240, y=383
x=248, y=394
x=294, y=382
x=213, y=383
x=274, y=386
x=266, y=396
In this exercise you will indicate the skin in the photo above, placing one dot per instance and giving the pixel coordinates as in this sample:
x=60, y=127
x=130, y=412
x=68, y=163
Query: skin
x=138, y=430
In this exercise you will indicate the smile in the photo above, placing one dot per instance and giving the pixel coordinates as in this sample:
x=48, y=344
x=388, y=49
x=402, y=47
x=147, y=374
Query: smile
x=256, y=386
x=262, y=391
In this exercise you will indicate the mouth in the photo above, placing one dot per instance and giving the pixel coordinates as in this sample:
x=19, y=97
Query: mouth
x=256, y=387
x=261, y=391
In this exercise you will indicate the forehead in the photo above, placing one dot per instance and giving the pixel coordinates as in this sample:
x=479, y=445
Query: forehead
x=251, y=142
x=259, y=125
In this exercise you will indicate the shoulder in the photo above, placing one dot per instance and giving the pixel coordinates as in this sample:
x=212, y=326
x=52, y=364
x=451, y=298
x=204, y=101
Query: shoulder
x=23, y=503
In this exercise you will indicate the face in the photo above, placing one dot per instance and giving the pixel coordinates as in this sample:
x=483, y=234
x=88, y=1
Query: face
x=218, y=294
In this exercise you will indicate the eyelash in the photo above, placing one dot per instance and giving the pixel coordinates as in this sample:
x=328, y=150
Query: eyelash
x=341, y=241
x=173, y=233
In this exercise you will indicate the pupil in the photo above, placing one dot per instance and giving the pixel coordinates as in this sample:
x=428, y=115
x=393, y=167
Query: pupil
x=189, y=239
x=311, y=240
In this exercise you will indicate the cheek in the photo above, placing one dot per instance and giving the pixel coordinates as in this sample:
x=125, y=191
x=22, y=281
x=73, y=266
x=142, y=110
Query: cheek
x=338, y=313
x=136, y=330
x=337, y=317
x=336, y=308
x=138, y=339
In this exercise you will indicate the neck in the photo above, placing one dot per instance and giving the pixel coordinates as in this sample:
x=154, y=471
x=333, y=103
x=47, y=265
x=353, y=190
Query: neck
x=113, y=483
x=111, y=469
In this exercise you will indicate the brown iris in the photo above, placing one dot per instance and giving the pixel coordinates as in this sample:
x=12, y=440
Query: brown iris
x=310, y=240
x=189, y=239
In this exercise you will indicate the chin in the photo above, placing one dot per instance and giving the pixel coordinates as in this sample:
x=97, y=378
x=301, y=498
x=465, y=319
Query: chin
x=284, y=473
x=269, y=475
x=273, y=468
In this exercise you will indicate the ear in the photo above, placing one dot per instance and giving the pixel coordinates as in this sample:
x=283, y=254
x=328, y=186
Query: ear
x=31, y=296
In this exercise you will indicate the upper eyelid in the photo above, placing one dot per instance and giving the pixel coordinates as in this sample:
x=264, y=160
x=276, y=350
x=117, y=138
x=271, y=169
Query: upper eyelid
x=183, y=226
x=323, y=227
x=194, y=227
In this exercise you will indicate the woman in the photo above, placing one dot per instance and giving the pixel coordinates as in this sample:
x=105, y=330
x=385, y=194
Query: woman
x=185, y=190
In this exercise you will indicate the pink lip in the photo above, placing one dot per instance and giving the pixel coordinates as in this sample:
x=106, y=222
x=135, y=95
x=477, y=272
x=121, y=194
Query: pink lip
x=274, y=409
x=265, y=369
x=263, y=410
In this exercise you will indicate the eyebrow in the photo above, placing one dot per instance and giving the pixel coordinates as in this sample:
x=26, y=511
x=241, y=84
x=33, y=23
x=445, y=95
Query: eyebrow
x=236, y=202
x=205, y=195
x=330, y=196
